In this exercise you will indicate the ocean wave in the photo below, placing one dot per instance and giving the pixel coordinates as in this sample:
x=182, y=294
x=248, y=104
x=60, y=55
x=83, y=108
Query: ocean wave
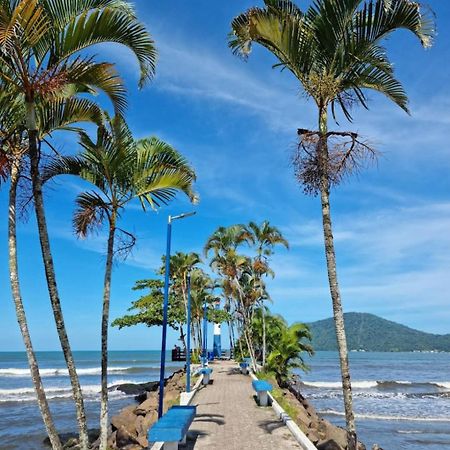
x=332, y=412
x=338, y=385
x=371, y=384
x=91, y=392
x=54, y=372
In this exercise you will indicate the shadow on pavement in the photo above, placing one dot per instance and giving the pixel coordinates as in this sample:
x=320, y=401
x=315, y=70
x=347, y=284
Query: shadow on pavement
x=269, y=426
x=216, y=418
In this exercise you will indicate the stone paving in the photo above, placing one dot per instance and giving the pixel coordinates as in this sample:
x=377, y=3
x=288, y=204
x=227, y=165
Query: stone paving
x=229, y=418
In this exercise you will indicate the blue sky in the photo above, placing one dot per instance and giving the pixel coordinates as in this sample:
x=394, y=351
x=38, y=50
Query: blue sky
x=236, y=122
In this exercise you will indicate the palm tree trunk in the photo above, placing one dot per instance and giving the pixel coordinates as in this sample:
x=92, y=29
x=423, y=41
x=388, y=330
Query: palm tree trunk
x=183, y=338
x=264, y=335
x=334, y=286
x=20, y=313
x=104, y=338
x=50, y=275
x=249, y=342
x=230, y=335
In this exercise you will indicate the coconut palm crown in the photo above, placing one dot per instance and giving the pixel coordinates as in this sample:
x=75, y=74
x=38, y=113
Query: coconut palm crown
x=335, y=47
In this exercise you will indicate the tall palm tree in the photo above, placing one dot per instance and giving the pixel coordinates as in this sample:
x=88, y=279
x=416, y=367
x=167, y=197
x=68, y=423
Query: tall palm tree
x=335, y=51
x=121, y=170
x=265, y=237
x=43, y=55
x=226, y=260
x=181, y=265
x=14, y=146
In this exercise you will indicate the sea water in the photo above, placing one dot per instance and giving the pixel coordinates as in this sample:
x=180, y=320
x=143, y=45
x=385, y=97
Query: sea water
x=21, y=425
x=401, y=400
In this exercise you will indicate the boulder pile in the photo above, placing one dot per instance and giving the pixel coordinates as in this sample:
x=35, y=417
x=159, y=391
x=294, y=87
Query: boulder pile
x=323, y=434
x=129, y=428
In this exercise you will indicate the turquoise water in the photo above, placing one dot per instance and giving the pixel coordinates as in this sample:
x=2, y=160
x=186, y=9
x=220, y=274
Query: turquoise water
x=402, y=400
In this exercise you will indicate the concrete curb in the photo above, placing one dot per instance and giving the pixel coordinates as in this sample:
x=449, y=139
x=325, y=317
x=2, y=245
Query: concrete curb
x=298, y=434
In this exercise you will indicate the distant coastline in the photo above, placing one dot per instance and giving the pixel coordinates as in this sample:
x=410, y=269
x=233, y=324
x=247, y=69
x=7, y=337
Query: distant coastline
x=370, y=333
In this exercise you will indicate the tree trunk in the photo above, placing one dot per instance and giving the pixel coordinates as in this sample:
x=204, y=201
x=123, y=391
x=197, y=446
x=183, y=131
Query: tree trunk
x=230, y=335
x=50, y=275
x=20, y=313
x=183, y=339
x=104, y=337
x=334, y=286
x=264, y=335
x=249, y=342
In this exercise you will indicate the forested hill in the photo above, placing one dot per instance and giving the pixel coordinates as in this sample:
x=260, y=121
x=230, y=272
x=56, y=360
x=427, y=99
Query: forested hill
x=372, y=333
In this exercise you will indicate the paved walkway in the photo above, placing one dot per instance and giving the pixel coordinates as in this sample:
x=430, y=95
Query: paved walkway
x=229, y=418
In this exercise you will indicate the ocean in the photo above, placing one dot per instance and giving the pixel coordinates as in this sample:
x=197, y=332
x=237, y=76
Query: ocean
x=401, y=400
x=20, y=421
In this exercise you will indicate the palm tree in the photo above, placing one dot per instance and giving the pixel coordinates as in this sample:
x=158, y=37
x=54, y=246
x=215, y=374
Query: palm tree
x=181, y=265
x=335, y=51
x=287, y=351
x=42, y=57
x=121, y=170
x=231, y=265
x=265, y=237
x=14, y=146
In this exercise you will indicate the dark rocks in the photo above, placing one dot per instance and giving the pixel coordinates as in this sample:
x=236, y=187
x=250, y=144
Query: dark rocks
x=323, y=434
x=328, y=445
x=70, y=440
x=136, y=389
x=130, y=427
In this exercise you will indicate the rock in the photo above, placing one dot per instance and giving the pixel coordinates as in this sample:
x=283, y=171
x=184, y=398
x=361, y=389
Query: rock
x=112, y=439
x=125, y=419
x=304, y=418
x=146, y=422
x=148, y=405
x=70, y=440
x=329, y=445
x=336, y=434
x=124, y=438
x=376, y=447
x=313, y=436
x=136, y=388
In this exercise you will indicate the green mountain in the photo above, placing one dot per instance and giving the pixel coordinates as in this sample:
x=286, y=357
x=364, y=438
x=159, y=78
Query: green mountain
x=372, y=333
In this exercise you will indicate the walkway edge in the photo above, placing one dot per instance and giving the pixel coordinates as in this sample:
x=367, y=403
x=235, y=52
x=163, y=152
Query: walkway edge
x=298, y=434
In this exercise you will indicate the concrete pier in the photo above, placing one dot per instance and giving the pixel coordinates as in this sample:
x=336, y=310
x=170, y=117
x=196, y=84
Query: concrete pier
x=229, y=418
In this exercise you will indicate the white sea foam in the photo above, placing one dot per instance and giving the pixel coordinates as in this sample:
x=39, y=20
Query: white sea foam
x=338, y=385
x=13, y=372
x=443, y=384
x=386, y=417
x=91, y=392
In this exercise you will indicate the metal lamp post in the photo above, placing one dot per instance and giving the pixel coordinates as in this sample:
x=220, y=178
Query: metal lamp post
x=165, y=308
x=188, y=350
x=205, y=337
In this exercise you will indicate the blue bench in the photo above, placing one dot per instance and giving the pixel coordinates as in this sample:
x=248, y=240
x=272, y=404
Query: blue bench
x=206, y=372
x=262, y=387
x=244, y=367
x=173, y=426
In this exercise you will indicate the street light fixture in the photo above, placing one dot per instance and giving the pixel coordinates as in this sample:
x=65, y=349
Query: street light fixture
x=170, y=219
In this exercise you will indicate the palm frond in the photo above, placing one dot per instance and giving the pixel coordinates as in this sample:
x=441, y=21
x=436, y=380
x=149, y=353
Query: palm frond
x=108, y=25
x=90, y=213
x=61, y=114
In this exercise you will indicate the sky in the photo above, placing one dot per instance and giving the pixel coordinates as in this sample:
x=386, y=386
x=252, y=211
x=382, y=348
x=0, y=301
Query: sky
x=236, y=123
